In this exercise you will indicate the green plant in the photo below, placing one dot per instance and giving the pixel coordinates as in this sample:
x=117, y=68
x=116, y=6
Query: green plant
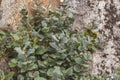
x=44, y=47
x=6, y=77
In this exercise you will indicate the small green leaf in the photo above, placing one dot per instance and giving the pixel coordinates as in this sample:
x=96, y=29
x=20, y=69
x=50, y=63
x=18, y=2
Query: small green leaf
x=41, y=50
x=19, y=50
x=57, y=73
x=55, y=18
x=13, y=63
x=35, y=34
x=69, y=71
x=50, y=71
x=70, y=15
x=15, y=36
x=41, y=78
x=2, y=75
x=9, y=76
x=37, y=78
x=78, y=60
x=30, y=74
x=32, y=66
x=45, y=29
x=40, y=64
x=36, y=74
x=27, y=44
x=54, y=38
x=86, y=65
x=20, y=77
x=57, y=70
x=44, y=24
x=30, y=51
x=64, y=40
x=63, y=56
x=53, y=45
x=77, y=68
x=2, y=32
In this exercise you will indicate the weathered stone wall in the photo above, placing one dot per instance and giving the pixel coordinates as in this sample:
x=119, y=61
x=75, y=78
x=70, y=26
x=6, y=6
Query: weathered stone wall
x=106, y=14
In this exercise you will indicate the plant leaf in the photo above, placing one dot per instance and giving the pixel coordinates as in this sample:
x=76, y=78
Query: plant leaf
x=69, y=71
x=50, y=71
x=41, y=50
x=77, y=68
x=15, y=36
x=53, y=45
x=9, y=76
x=57, y=73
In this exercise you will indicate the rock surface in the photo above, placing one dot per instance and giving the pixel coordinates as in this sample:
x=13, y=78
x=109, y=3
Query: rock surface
x=11, y=10
x=106, y=14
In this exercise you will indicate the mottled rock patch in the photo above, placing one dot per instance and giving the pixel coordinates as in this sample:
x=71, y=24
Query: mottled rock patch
x=106, y=14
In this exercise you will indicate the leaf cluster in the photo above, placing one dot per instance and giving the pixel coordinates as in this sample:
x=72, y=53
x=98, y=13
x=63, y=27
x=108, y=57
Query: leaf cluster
x=44, y=47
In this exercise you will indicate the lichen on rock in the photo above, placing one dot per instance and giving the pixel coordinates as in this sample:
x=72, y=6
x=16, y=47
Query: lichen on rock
x=106, y=14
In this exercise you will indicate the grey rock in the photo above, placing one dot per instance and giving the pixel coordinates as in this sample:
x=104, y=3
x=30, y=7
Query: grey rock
x=106, y=14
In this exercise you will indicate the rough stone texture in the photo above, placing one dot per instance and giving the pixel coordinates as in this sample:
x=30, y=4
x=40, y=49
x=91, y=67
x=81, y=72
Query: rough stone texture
x=106, y=14
x=11, y=10
x=4, y=65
